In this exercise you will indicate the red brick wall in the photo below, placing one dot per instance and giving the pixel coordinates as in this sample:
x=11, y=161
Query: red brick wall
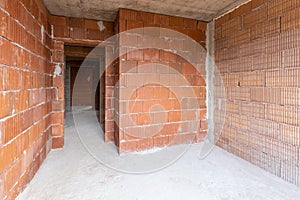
x=154, y=76
x=77, y=30
x=31, y=97
x=25, y=93
x=70, y=31
x=257, y=53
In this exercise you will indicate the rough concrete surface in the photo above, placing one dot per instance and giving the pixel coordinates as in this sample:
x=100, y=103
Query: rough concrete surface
x=107, y=10
x=72, y=173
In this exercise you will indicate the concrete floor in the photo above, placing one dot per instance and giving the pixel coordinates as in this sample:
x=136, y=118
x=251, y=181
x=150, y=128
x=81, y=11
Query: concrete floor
x=85, y=172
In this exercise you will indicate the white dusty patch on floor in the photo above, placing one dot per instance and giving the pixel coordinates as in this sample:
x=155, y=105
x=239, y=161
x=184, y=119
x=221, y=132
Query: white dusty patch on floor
x=72, y=173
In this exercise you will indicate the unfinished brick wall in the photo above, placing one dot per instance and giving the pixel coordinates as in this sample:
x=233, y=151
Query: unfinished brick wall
x=31, y=92
x=25, y=93
x=257, y=53
x=77, y=31
x=158, y=93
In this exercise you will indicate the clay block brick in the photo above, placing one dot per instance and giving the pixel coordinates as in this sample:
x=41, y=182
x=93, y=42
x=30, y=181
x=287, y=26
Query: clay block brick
x=196, y=80
x=58, y=105
x=145, y=93
x=289, y=134
x=196, y=35
x=127, y=146
x=147, y=67
x=58, y=45
x=109, y=137
x=93, y=34
x=231, y=26
x=78, y=33
x=151, y=55
x=176, y=21
x=239, y=37
x=239, y=93
x=264, y=127
x=8, y=155
x=257, y=94
x=57, y=56
x=253, y=110
x=12, y=79
x=11, y=127
x=109, y=28
x=76, y=22
x=21, y=100
x=188, y=68
x=257, y=3
x=57, y=130
x=242, y=10
x=174, y=116
x=161, y=93
x=201, y=26
x=57, y=118
x=283, y=114
x=176, y=45
x=254, y=17
x=91, y=24
x=129, y=40
x=61, y=31
x=133, y=54
x=128, y=14
x=265, y=28
x=290, y=39
x=272, y=26
x=160, y=142
x=1, y=79
x=128, y=67
x=290, y=96
x=222, y=19
x=252, y=79
x=280, y=7
x=190, y=23
x=58, y=81
x=166, y=56
x=290, y=20
x=204, y=124
x=7, y=104
x=57, y=142
x=161, y=19
x=134, y=25
x=147, y=18
x=239, y=121
x=288, y=78
x=272, y=95
x=170, y=129
x=232, y=107
x=12, y=176
x=291, y=58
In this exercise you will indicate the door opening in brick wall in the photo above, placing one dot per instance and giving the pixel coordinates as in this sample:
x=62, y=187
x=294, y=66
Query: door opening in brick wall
x=84, y=87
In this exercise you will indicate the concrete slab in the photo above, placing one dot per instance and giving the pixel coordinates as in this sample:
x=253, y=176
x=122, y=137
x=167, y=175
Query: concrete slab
x=74, y=173
x=107, y=10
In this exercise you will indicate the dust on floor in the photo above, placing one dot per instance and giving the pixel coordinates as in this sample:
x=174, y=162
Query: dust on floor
x=76, y=173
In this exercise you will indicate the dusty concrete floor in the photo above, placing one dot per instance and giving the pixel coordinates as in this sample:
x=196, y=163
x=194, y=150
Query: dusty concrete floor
x=73, y=173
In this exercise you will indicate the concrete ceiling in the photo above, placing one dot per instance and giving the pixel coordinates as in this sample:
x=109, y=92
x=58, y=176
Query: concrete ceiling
x=106, y=10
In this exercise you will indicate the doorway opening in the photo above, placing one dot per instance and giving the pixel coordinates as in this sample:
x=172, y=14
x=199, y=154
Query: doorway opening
x=84, y=83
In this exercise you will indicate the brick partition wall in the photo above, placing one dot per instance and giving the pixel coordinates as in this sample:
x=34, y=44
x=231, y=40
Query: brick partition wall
x=158, y=94
x=73, y=31
x=31, y=96
x=25, y=93
x=257, y=49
